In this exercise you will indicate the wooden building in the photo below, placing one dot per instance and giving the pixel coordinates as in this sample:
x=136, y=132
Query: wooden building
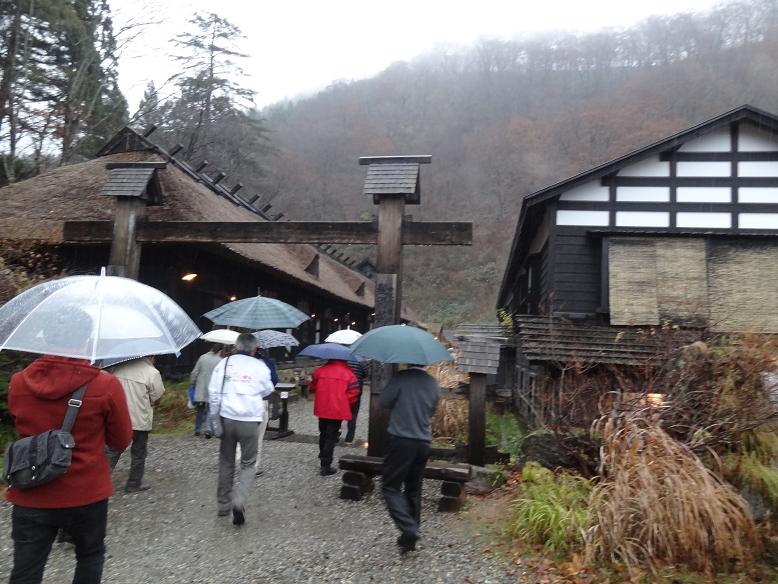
x=683, y=231
x=319, y=280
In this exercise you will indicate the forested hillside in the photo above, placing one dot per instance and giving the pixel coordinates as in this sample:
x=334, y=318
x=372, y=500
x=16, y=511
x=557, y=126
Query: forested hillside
x=504, y=118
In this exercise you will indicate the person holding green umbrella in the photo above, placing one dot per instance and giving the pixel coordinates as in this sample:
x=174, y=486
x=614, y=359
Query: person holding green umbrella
x=412, y=397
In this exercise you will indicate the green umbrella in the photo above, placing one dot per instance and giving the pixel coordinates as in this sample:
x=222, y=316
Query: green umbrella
x=399, y=343
x=257, y=313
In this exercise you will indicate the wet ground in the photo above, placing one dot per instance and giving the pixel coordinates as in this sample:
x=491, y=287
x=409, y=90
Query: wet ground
x=297, y=529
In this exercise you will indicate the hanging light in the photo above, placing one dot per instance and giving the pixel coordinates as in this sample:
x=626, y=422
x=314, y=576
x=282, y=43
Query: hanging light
x=233, y=298
x=189, y=277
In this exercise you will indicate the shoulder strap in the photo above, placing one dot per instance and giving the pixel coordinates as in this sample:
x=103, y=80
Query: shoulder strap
x=74, y=403
x=227, y=362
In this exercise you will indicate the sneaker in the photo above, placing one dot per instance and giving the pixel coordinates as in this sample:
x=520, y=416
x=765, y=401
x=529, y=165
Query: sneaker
x=238, y=516
x=223, y=512
x=259, y=472
x=136, y=488
x=327, y=471
x=207, y=435
x=197, y=432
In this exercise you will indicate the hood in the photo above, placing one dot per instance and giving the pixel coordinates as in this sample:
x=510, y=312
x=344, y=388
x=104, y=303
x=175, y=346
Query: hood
x=55, y=377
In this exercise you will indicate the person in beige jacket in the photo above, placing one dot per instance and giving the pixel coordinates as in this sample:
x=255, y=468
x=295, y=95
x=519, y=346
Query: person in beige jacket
x=143, y=387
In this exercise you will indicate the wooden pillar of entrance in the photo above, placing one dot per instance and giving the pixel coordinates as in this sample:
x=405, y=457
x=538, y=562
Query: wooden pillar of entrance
x=393, y=182
x=134, y=185
x=125, y=249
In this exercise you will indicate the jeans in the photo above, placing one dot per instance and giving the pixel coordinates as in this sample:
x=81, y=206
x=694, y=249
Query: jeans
x=351, y=426
x=403, y=475
x=201, y=413
x=245, y=434
x=33, y=531
x=138, y=452
x=329, y=432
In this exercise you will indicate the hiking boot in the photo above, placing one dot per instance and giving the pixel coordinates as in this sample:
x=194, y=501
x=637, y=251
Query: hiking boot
x=327, y=471
x=238, y=516
x=407, y=543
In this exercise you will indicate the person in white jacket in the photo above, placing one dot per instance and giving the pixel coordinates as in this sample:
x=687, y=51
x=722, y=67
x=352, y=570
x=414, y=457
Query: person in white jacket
x=236, y=391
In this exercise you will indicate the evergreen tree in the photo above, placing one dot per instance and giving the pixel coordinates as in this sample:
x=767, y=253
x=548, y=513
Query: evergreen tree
x=212, y=116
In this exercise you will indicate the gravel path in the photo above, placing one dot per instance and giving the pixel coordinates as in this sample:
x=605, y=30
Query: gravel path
x=297, y=529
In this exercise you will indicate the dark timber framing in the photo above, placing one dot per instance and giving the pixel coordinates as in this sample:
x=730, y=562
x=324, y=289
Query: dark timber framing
x=668, y=150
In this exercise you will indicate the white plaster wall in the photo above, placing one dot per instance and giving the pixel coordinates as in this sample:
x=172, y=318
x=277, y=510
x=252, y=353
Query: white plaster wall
x=643, y=194
x=591, y=191
x=649, y=167
x=642, y=219
x=752, y=139
x=757, y=169
x=703, y=194
x=712, y=220
x=704, y=169
x=718, y=141
x=758, y=220
x=592, y=218
x=757, y=195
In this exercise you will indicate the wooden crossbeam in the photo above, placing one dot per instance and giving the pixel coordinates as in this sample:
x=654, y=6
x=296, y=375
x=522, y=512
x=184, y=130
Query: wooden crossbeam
x=345, y=232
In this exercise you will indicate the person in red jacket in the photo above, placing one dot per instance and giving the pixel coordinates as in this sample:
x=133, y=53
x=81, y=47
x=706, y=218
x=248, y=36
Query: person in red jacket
x=336, y=388
x=76, y=502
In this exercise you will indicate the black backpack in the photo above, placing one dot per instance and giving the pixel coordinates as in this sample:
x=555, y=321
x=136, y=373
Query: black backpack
x=36, y=460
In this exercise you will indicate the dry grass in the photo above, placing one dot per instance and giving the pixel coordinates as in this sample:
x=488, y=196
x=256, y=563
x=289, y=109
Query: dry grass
x=450, y=420
x=447, y=375
x=657, y=503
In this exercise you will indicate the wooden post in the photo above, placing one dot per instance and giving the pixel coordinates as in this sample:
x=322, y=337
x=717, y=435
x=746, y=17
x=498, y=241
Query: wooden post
x=387, y=306
x=125, y=249
x=476, y=444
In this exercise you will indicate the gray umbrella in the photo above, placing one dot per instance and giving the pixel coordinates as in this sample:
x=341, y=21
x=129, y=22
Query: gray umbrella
x=270, y=338
x=257, y=313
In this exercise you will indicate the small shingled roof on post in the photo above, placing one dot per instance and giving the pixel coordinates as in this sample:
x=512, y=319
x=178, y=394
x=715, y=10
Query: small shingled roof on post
x=131, y=179
x=394, y=175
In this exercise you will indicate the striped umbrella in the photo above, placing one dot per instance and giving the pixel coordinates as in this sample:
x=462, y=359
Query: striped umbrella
x=257, y=313
x=269, y=339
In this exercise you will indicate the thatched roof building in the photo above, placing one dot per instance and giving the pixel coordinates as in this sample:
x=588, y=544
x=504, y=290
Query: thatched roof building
x=330, y=288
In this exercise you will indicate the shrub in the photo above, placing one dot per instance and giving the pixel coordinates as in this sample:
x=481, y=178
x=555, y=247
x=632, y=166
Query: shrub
x=551, y=510
x=657, y=503
x=504, y=431
x=748, y=470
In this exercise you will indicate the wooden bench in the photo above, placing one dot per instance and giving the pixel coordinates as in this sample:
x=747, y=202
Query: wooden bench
x=359, y=472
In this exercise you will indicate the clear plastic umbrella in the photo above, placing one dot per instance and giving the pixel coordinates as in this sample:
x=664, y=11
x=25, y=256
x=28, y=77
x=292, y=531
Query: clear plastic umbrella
x=343, y=337
x=95, y=317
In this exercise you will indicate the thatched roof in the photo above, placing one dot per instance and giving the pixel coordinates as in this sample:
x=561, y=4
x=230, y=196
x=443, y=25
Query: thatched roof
x=35, y=209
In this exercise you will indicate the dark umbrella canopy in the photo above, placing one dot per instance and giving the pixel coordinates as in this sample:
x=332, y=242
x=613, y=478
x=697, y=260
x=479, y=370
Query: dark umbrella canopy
x=328, y=351
x=400, y=344
x=257, y=313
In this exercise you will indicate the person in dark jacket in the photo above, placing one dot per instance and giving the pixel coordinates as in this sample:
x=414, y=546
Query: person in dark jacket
x=335, y=388
x=271, y=365
x=412, y=398
x=76, y=502
x=359, y=369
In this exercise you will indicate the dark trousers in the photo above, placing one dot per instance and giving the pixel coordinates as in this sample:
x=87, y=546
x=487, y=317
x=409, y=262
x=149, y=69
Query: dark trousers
x=329, y=432
x=403, y=474
x=33, y=531
x=138, y=452
x=201, y=413
x=351, y=426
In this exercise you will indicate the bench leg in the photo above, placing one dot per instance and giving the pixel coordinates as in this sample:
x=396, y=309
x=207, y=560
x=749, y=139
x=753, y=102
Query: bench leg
x=452, y=496
x=356, y=485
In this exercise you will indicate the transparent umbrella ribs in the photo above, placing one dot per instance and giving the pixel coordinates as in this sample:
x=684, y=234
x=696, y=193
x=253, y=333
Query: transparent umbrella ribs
x=95, y=317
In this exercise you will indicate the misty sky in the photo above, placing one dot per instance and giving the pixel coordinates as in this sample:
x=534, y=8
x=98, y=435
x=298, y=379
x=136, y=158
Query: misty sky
x=299, y=46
